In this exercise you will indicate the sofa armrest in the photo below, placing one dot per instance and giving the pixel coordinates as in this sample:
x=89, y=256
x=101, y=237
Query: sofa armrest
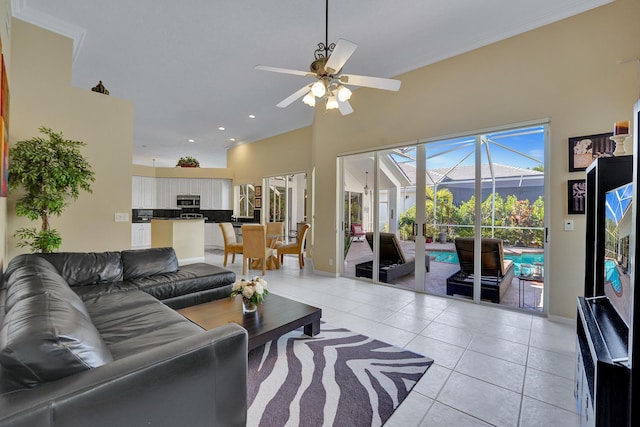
x=196, y=381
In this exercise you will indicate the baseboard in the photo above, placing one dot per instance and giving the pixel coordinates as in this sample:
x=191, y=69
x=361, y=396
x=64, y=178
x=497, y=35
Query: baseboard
x=560, y=319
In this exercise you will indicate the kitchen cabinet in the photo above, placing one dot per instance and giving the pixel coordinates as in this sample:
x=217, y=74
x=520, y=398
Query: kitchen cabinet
x=213, y=236
x=214, y=193
x=163, y=194
x=141, y=235
x=143, y=192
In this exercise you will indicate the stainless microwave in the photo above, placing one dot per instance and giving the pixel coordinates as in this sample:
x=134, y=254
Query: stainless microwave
x=188, y=201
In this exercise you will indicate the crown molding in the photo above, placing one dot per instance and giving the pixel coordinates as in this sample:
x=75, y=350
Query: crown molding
x=22, y=11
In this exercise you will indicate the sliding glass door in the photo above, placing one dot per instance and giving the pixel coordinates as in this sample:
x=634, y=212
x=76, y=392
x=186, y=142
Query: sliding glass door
x=418, y=199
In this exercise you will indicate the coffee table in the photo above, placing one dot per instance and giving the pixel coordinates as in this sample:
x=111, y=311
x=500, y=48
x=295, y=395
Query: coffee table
x=274, y=318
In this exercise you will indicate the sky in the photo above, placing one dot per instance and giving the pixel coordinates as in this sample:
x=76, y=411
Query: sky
x=521, y=147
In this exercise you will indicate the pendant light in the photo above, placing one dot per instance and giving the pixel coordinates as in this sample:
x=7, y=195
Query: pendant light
x=366, y=183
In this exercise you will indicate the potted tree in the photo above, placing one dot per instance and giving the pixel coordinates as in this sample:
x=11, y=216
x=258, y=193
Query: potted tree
x=188, y=162
x=51, y=170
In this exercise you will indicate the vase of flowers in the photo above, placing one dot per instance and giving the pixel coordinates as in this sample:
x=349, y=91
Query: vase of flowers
x=253, y=292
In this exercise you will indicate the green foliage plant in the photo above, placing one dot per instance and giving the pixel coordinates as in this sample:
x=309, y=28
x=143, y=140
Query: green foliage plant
x=347, y=244
x=50, y=170
x=188, y=161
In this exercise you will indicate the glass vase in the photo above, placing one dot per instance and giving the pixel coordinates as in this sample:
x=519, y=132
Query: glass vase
x=248, y=306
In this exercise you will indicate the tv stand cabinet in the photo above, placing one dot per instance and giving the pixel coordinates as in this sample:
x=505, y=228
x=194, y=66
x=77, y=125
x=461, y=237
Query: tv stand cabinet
x=602, y=373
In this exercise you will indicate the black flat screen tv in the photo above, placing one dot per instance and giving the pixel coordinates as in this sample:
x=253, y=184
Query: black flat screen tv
x=618, y=230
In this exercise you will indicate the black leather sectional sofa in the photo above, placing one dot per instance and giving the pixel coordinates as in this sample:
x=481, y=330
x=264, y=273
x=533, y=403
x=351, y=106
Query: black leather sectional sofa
x=92, y=339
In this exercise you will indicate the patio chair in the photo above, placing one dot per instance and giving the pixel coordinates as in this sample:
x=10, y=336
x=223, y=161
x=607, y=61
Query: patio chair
x=357, y=232
x=496, y=272
x=392, y=260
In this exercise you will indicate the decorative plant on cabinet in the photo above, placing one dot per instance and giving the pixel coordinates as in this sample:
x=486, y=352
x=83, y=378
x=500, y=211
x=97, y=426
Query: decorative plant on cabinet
x=50, y=170
x=188, y=162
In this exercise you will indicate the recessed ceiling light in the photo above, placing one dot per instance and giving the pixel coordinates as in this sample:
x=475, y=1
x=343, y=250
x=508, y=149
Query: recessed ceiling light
x=251, y=116
x=221, y=128
x=232, y=139
x=191, y=140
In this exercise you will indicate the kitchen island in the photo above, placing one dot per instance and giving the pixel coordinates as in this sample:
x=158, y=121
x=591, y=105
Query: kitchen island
x=184, y=235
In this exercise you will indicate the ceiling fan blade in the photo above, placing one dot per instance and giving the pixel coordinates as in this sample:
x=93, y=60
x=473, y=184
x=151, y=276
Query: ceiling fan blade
x=344, y=107
x=372, y=82
x=283, y=70
x=297, y=94
x=342, y=52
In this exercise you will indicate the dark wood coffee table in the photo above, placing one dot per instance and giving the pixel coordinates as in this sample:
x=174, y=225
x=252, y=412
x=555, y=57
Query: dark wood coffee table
x=274, y=318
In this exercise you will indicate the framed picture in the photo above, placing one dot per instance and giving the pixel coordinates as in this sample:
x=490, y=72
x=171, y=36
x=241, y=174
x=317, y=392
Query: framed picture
x=584, y=149
x=258, y=203
x=258, y=190
x=576, y=189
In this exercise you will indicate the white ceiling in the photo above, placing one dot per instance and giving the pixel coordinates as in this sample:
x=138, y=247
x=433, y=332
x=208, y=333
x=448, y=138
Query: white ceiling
x=188, y=66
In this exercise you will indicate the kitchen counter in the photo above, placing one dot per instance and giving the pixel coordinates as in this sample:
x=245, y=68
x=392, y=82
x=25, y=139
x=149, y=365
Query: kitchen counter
x=184, y=235
x=179, y=219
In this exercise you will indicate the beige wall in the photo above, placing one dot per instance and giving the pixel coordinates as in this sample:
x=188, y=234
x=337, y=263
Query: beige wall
x=566, y=72
x=42, y=95
x=283, y=154
x=220, y=173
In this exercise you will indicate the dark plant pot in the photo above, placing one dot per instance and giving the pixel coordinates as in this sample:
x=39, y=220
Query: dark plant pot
x=442, y=237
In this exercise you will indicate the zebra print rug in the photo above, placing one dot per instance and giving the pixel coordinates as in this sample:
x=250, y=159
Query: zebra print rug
x=337, y=378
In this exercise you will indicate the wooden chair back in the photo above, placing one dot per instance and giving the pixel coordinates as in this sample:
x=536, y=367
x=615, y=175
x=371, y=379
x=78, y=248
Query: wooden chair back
x=254, y=245
x=274, y=229
x=228, y=233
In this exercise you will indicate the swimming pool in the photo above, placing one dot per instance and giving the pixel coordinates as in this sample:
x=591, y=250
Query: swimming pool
x=523, y=258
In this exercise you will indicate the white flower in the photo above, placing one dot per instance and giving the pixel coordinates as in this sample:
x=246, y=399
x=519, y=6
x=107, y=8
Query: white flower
x=259, y=288
x=247, y=292
x=237, y=285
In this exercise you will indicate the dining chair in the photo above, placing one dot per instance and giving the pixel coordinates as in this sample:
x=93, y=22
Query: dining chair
x=231, y=244
x=296, y=248
x=254, y=246
x=275, y=233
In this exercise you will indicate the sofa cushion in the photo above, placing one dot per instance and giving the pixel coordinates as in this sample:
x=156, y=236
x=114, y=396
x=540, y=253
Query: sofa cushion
x=83, y=268
x=44, y=338
x=188, y=279
x=26, y=282
x=147, y=262
x=132, y=322
x=90, y=291
x=26, y=260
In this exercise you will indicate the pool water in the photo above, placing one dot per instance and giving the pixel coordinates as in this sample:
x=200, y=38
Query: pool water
x=524, y=258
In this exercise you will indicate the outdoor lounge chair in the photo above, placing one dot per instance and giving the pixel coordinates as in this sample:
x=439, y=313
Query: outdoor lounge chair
x=496, y=272
x=357, y=231
x=393, y=263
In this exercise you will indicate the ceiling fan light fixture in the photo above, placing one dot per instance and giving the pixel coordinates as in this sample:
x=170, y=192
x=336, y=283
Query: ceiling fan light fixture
x=318, y=89
x=332, y=103
x=344, y=94
x=309, y=99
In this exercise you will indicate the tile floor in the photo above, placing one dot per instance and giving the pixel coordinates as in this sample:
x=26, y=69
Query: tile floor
x=493, y=367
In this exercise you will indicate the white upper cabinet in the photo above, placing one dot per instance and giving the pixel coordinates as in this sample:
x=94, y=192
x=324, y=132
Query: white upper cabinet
x=143, y=192
x=161, y=193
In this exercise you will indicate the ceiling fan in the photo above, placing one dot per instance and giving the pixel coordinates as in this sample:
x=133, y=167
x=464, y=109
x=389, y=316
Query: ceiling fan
x=330, y=84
